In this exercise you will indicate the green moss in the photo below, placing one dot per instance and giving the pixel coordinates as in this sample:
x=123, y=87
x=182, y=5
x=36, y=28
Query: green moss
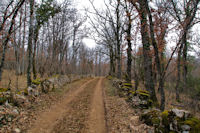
x=26, y=91
x=165, y=120
x=3, y=89
x=132, y=92
x=172, y=132
x=143, y=91
x=150, y=101
x=151, y=118
x=36, y=81
x=127, y=84
x=55, y=76
x=144, y=94
x=126, y=87
x=194, y=123
x=156, y=121
x=165, y=113
x=109, y=77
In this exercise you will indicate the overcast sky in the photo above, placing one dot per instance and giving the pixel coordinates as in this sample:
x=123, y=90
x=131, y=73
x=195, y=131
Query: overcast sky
x=82, y=4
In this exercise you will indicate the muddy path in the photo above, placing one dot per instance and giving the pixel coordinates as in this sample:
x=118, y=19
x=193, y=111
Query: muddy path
x=80, y=111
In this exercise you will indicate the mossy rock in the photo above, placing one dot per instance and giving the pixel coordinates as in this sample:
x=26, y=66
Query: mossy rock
x=156, y=121
x=160, y=130
x=194, y=123
x=151, y=118
x=165, y=118
x=132, y=93
x=126, y=88
x=3, y=100
x=143, y=91
x=36, y=81
x=25, y=91
x=150, y=103
x=127, y=84
x=109, y=77
x=144, y=96
x=3, y=89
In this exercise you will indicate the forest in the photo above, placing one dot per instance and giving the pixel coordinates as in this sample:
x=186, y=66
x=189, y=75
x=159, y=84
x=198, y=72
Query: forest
x=139, y=71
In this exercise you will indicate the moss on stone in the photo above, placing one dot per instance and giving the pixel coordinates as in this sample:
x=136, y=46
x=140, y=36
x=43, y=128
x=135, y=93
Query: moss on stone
x=194, y=123
x=151, y=118
x=26, y=91
x=165, y=120
x=143, y=91
x=36, y=81
x=3, y=89
x=156, y=121
x=144, y=94
x=127, y=84
x=132, y=92
x=109, y=77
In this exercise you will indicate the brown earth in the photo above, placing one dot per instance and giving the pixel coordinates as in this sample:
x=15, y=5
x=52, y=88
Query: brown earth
x=85, y=106
x=81, y=110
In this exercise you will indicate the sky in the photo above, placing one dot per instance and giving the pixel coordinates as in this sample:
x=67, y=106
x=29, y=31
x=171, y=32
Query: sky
x=81, y=5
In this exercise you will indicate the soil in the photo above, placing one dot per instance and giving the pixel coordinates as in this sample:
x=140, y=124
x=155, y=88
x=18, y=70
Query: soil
x=80, y=111
x=86, y=106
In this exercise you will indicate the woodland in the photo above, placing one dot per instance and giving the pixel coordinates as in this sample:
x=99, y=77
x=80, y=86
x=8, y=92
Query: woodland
x=144, y=48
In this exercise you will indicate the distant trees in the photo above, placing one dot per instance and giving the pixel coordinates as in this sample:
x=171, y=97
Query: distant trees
x=44, y=38
x=6, y=34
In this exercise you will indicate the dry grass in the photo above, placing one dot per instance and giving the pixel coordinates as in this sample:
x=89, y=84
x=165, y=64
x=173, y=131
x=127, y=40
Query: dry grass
x=186, y=101
x=17, y=82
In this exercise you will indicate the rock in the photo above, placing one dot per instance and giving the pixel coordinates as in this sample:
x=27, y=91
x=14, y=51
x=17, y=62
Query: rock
x=181, y=113
x=20, y=99
x=33, y=91
x=17, y=130
x=185, y=132
x=8, y=105
x=185, y=127
x=15, y=112
x=140, y=99
x=151, y=117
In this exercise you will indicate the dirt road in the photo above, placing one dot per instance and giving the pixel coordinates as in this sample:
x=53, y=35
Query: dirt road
x=80, y=111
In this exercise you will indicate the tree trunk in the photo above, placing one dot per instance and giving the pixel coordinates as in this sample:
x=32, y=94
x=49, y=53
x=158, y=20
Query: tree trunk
x=148, y=73
x=185, y=67
x=30, y=39
x=129, y=55
x=118, y=42
x=36, y=32
x=178, y=72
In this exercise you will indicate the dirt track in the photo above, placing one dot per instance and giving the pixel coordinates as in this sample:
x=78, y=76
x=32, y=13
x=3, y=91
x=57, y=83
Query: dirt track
x=80, y=111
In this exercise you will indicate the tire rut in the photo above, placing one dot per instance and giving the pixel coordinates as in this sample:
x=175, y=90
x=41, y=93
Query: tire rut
x=75, y=118
x=49, y=119
x=97, y=122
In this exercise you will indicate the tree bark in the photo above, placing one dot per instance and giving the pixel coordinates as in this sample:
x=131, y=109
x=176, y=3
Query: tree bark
x=118, y=41
x=148, y=73
x=30, y=39
x=129, y=50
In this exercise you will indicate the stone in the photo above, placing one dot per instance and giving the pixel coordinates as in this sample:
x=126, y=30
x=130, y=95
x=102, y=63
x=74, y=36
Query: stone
x=17, y=130
x=15, y=112
x=185, y=127
x=181, y=113
x=32, y=91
